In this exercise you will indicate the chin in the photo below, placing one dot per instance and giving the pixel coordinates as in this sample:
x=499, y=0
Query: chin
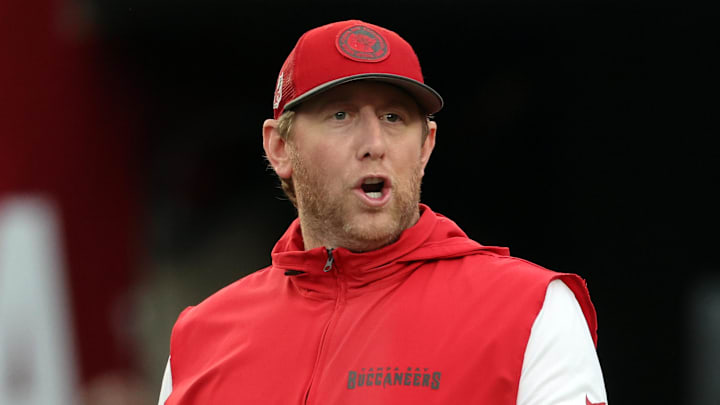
x=365, y=234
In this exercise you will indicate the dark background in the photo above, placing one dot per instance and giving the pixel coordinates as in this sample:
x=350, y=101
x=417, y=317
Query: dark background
x=579, y=134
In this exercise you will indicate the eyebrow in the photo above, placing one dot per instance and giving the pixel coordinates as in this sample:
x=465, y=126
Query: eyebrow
x=392, y=102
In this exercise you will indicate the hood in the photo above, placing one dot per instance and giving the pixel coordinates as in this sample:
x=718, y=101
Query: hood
x=433, y=237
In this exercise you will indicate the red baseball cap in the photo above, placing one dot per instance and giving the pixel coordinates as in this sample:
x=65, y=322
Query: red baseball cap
x=344, y=51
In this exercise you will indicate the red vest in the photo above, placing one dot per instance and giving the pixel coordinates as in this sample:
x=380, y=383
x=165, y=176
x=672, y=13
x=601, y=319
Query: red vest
x=434, y=318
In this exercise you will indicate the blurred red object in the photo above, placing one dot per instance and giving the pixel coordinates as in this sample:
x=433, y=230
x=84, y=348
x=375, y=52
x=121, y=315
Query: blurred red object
x=67, y=133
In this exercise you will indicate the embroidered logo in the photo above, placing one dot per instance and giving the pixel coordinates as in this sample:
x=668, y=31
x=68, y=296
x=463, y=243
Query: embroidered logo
x=278, y=91
x=362, y=44
x=388, y=376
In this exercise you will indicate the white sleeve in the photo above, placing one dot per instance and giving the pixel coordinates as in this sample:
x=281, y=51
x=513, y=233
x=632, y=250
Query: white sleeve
x=166, y=387
x=561, y=366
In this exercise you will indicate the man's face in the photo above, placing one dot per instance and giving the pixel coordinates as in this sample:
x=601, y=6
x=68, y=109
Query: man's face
x=357, y=159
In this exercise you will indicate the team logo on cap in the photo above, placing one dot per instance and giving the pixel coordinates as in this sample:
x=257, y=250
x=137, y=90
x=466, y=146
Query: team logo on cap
x=362, y=44
x=278, y=91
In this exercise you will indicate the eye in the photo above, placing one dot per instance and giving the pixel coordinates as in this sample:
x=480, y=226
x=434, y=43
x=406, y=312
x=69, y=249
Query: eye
x=340, y=115
x=391, y=117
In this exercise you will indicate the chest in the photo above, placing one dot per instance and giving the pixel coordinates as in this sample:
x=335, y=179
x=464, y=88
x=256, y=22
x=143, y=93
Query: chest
x=414, y=343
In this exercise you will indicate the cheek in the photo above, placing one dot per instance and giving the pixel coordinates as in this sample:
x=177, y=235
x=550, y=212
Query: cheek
x=410, y=161
x=325, y=169
x=329, y=160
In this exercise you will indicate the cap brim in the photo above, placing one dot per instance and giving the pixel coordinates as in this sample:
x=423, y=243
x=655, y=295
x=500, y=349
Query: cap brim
x=428, y=99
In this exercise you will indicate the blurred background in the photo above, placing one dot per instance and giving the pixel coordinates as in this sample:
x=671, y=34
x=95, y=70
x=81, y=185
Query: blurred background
x=132, y=182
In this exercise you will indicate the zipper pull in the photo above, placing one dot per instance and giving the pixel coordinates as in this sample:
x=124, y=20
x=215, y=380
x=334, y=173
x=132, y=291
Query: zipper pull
x=329, y=262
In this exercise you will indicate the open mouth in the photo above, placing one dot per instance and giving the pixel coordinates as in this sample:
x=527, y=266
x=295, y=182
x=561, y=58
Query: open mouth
x=374, y=190
x=373, y=187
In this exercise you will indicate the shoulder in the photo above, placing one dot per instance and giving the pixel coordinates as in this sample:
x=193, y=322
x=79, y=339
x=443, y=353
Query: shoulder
x=513, y=286
x=235, y=295
x=226, y=312
x=510, y=283
x=492, y=267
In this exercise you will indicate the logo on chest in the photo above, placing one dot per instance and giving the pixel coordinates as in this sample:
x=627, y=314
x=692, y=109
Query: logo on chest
x=377, y=377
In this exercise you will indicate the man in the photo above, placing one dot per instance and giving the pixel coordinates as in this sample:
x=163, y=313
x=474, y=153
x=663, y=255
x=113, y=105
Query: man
x=372, y=298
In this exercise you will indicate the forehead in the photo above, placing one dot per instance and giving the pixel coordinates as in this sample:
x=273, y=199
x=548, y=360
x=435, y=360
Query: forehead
x=362, y=92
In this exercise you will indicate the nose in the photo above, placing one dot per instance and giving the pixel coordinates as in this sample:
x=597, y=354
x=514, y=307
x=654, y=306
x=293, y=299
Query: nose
x=371, y=140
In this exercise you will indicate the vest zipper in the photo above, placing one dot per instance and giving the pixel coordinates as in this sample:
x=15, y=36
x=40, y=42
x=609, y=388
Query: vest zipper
x=329, y=326
x=329, y=262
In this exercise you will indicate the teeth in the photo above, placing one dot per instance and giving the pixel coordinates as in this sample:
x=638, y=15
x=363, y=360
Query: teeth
x=372, y=180
x=372, y=187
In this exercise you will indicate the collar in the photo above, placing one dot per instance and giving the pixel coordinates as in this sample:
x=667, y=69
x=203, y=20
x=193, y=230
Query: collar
x=433, y=237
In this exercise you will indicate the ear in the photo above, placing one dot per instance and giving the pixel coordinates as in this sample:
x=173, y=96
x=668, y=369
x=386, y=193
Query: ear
x=276, y=149
x=428, y=145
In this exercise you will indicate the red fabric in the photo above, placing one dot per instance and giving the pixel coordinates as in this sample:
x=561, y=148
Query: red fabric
x=434, y=318
x=332, y=52
x=587, y=402
x=66, y=135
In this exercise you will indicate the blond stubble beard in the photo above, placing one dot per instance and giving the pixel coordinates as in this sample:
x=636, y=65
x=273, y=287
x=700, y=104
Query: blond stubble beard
x=327, y=219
